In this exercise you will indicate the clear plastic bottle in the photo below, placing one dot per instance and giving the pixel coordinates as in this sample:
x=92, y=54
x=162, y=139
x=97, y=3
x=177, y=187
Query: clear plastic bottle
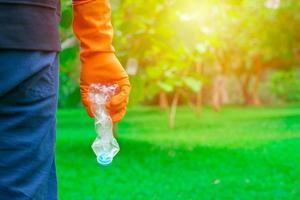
x=105, y=145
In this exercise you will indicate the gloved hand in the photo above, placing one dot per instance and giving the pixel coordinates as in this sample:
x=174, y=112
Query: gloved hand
x=92, y=26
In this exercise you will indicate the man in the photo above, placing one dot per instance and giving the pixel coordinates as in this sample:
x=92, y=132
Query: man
x=29, y=46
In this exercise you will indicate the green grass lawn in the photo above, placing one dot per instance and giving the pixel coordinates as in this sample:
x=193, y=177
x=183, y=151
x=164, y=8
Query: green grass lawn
x=238, y=153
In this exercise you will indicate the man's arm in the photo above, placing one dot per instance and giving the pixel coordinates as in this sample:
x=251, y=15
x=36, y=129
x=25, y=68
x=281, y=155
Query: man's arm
x=92, y=26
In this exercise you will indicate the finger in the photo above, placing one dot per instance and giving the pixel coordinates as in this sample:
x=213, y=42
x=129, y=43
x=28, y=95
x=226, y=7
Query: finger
x=118, y=116
x=88, y=107
x=118, y=107
x=89, y=111
x=121, y=96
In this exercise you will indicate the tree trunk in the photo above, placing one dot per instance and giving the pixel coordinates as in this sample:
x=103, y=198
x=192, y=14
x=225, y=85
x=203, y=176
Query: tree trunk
x=219, y=92
x=199, y=93
x=163, y=101
x=245, y=90
x=199, y=100
x=255, y=95
x=172, y=113
x=215, y=94
x=257, y=77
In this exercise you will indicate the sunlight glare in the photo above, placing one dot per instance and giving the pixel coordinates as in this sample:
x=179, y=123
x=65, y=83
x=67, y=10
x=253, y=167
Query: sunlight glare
x=184, y=17
x=272, y=4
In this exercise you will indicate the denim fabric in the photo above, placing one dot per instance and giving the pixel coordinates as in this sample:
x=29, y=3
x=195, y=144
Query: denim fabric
x=28, y=104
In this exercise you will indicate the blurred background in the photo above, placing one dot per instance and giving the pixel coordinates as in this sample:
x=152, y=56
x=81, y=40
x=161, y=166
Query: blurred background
x=215, y=105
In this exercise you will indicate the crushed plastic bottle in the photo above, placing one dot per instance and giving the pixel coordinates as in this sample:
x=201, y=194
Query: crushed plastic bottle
x=105, y=145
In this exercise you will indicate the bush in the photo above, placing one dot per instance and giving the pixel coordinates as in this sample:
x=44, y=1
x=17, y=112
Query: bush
x=285, y=85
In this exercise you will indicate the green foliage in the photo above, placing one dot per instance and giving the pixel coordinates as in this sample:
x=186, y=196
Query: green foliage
x=249, y=153
x=69, y=95
x=150, y=35
x=169, y=39
x=286, y=85
x=192, y=83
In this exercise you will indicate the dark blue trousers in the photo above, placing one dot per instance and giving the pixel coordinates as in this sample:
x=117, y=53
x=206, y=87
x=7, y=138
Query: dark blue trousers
x=28, y=102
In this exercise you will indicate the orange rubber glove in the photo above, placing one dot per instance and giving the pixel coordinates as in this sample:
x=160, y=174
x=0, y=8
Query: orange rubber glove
x=92, y=26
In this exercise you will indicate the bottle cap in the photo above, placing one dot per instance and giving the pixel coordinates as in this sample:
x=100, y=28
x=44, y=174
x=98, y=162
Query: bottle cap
x=104, y=160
